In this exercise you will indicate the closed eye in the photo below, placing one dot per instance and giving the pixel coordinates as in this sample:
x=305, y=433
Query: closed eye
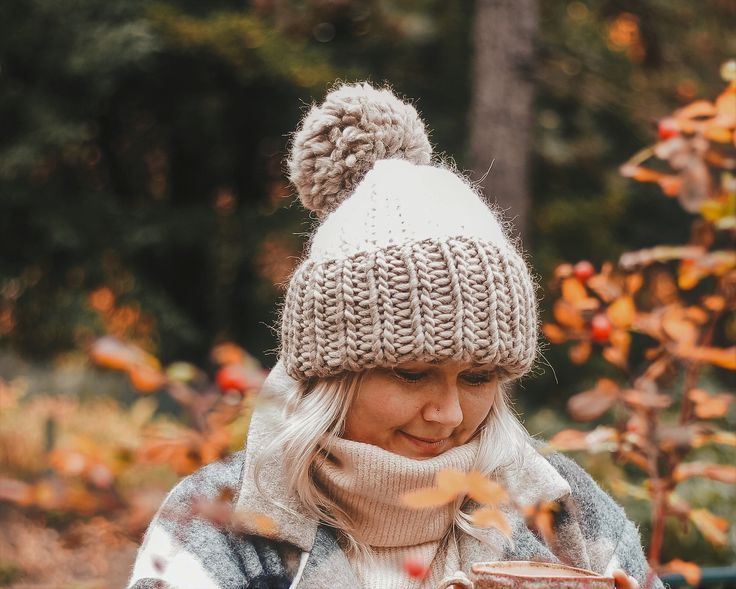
x=409, y=375
x=477, y=378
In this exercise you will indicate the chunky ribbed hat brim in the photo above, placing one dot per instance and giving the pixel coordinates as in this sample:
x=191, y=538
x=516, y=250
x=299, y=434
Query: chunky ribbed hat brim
x=459, y=298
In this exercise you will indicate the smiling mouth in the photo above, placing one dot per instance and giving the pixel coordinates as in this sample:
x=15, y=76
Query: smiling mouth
x=426, y=443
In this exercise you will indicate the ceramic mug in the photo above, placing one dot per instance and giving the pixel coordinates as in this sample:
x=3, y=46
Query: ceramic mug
x=524, y=574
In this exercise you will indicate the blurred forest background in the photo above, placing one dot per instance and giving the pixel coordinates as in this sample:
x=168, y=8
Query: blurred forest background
x=142, y=186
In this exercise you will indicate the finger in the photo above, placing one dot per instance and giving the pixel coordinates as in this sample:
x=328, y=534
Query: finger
x=623, y=581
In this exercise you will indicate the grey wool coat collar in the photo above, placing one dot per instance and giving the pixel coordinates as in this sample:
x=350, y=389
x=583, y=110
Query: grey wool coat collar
x=184, y=551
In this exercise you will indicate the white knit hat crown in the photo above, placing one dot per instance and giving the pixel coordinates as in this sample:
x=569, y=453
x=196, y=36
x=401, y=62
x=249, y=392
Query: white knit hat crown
x=408, y=263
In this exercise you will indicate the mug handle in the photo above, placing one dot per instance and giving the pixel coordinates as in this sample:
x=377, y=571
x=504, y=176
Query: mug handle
x=456, y=580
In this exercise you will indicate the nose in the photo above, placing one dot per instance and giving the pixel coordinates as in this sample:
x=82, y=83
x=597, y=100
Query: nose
x=445, y=408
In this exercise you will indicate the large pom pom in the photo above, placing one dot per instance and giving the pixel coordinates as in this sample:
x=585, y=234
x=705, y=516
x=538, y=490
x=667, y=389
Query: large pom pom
x=339, y=142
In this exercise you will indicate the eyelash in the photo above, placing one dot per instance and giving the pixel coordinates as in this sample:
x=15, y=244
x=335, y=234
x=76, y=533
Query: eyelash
x=415, y=377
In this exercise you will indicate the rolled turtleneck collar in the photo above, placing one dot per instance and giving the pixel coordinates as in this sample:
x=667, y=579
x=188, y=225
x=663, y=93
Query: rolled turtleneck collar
x=367, y=483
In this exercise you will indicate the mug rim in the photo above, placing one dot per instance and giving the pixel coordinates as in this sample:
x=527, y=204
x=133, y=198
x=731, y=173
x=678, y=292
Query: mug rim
x=586, y=573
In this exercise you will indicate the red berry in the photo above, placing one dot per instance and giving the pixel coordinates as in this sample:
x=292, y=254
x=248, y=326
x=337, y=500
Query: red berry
x=583, y=270
x=232, y=377
x=415, y=568
x=600, y=328
x=667, y=128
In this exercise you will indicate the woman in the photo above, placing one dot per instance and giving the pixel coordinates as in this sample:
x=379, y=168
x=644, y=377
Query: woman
x=400, y=330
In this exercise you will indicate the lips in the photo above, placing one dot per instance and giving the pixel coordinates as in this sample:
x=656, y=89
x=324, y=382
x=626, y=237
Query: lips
x=427, y=440
x=427, y=446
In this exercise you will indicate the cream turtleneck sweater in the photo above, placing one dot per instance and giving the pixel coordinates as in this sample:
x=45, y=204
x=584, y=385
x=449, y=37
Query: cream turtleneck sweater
x=368, y=482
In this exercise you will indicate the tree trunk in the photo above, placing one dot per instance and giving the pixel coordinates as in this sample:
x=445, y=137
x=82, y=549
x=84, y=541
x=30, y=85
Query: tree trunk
x=501, y=103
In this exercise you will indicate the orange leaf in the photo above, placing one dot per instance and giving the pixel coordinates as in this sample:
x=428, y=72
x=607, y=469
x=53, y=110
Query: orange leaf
x=15, y=491
x=723, y=357
x=645, y=175
x=678, y=328
x=716, y=437
x=227, y=353
x=580, y=352
x=492, y=518
x=696, y=110
x=145, y=379
x=264, y=524
x=567, y=315
x=646, y=400
x=716, y=472
x=689, y=570
x=573, y=290
x=541, y=517
x=485, y=491
x=451, y=481
x=554, y=333
x=424, y=498
x=622, y=311
x=601, y=438
x=710, y=406
x=712, y=527
x=591, y=404
x=714, y=303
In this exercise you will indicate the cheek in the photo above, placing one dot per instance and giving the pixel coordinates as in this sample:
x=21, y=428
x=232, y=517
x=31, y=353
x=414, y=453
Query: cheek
x=377, y=412
x=476, y=409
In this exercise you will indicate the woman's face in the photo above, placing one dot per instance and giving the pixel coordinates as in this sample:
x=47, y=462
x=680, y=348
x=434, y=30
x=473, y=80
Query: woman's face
x=421, y=410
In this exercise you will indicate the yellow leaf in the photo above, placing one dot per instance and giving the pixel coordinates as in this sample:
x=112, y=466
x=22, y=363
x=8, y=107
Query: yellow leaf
x=492, y=518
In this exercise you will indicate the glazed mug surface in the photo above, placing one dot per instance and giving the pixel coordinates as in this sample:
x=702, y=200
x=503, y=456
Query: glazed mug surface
x=535, y=575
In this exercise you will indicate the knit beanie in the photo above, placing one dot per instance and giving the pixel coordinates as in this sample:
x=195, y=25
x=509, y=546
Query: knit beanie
x=408, y=262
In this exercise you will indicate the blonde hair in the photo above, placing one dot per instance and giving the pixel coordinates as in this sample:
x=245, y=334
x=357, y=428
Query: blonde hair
x=314, y=416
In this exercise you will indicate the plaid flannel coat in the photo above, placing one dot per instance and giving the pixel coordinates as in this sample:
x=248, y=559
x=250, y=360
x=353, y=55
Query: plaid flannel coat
x=188, y=548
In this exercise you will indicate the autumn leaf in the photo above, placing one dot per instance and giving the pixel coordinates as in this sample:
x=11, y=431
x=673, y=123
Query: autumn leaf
x=486, y=517
x=602, y=438
x=567, y=315
x=554, y=333
x=483, y=490
x=591, y=404
x=146, y=379
x=712, y=527
x=646, y=400
x=716, y=472
x=723, y=357
x=714, y=437
x=424, y=498
x=573, y=291
x=622, y=311
x=227, y=353
x=541, y=517
x=710, y=406
x=452, y=481
x=580, y=352
x=689, y=570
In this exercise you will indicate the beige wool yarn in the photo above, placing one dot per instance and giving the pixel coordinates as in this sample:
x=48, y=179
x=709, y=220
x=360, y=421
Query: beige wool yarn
x=408, y=262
